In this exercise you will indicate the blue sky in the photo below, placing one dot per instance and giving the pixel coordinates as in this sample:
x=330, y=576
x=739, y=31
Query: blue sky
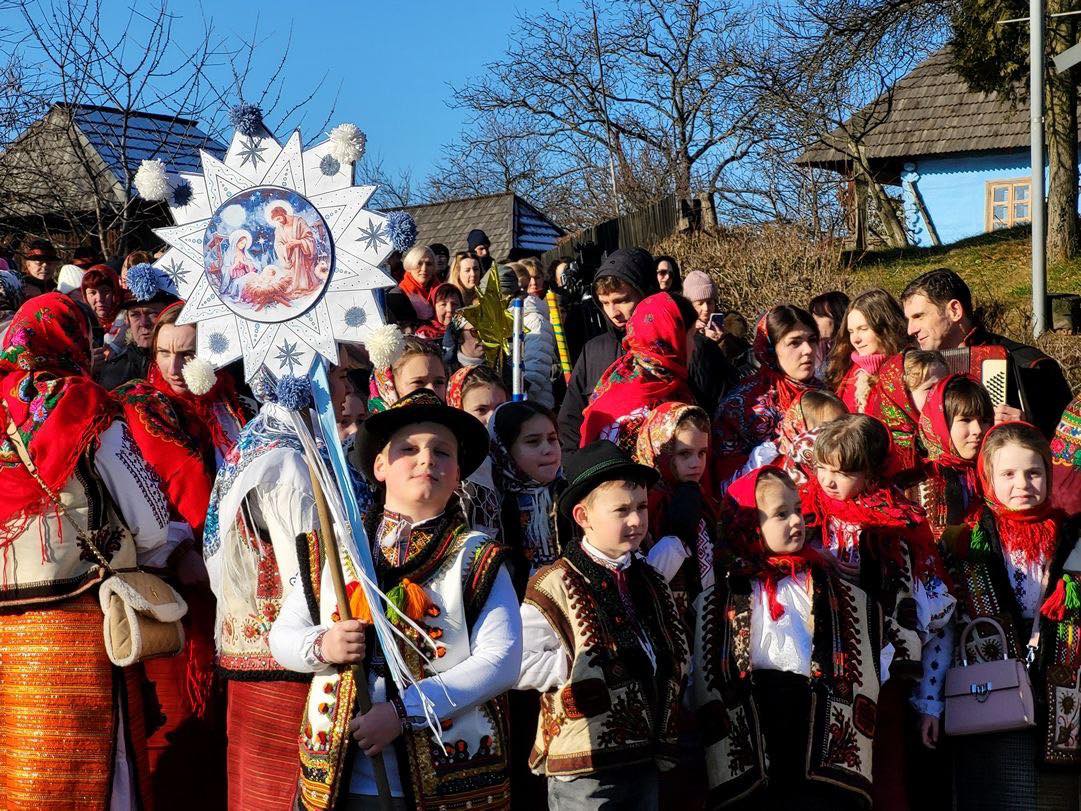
x=397, y=61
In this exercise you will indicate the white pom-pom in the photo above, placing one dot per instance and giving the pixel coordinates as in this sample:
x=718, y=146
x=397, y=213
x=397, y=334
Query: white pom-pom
x=347, y=143
x=385, y=345
x=199, y=375
x=151, y=180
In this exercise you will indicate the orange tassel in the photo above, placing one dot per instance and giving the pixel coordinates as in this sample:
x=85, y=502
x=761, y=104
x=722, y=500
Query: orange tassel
x=417, y=603
x=358, y=603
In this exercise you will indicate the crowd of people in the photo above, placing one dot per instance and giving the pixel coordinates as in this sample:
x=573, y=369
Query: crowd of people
x=822, y=557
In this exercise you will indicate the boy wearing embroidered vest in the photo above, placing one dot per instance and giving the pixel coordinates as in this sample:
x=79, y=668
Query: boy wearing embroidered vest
x=604, y=645
x=453, y=586
x=786, y=662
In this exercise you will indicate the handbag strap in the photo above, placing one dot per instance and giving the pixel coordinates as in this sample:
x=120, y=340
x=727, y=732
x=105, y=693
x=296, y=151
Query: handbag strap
x=24, y=456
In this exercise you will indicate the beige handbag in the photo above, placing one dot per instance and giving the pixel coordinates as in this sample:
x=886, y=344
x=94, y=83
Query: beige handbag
x=991, y=696
x=142, y=611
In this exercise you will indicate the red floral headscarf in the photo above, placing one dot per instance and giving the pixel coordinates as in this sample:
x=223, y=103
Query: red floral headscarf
x=651, y=371
x=891, y=404
x=47, y=392
x=796, y=442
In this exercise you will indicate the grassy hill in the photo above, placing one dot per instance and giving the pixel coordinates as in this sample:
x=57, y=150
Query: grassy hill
x=997, y=266
x=758, y=267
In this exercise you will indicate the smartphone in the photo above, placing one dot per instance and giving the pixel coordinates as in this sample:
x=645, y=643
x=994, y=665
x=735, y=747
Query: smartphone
x=716, y=321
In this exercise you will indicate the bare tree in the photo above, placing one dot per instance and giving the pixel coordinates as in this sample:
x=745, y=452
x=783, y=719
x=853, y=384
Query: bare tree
x=649, y=92
x=396, y=189
x=62, y=57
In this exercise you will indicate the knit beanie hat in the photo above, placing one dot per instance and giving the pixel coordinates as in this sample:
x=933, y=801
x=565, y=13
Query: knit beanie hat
x=698, y=285
x=477, y=237
x=69, y=279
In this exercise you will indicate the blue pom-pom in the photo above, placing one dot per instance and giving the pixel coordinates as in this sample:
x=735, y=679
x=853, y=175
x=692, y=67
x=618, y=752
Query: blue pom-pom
x=144, y=281
x=247, y=119
x=294, y=392
x=402, y=230
x=182, y=194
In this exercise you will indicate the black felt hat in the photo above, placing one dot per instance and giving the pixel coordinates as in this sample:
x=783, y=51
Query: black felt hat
x=599, y=462
x=422, y=405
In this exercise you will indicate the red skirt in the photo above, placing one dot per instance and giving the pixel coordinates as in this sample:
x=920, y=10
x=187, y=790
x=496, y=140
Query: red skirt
x=263, y=721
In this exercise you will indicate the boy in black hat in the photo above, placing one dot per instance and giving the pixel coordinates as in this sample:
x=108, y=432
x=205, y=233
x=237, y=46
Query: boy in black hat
x=449, y=582
x=604, y=645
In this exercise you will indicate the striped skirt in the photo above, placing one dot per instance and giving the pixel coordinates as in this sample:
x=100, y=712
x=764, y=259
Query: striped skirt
x=59, y=708
x=263, y=724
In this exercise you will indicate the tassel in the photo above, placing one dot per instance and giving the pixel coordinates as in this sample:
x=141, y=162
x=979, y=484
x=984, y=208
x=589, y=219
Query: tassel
x=199, y=674
x=1073, y=593
x=978, y=543
x=358, y=603
x=1054, y=607
x=417, y=602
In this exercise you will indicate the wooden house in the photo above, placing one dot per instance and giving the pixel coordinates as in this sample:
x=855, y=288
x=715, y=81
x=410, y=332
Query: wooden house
x=958, y=158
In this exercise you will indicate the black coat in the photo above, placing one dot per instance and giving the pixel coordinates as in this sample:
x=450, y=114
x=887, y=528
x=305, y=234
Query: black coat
x=131, y=364
x=1037, y=385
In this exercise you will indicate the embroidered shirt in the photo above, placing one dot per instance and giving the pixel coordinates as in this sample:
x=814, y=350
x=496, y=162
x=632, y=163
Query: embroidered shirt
x=783, y=644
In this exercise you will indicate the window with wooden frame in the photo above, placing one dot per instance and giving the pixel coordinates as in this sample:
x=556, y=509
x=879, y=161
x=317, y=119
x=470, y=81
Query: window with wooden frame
x=1008, y=203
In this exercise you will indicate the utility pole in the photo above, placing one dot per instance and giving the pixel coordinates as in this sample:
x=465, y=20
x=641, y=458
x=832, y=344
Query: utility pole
x=1036, y=193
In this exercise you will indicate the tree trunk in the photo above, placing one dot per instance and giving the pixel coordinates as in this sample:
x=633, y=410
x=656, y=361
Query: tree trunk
x=895, y=229
x=1060, y=131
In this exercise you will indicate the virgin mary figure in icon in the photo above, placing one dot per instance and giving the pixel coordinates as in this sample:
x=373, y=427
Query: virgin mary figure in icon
x=240, y=264
x=294, y=244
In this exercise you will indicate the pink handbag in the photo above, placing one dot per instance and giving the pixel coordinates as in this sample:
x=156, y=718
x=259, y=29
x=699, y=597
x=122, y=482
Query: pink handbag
x=991, y=696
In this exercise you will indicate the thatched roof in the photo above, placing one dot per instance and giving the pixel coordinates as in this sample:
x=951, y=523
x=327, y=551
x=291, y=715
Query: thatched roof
x=933, y=112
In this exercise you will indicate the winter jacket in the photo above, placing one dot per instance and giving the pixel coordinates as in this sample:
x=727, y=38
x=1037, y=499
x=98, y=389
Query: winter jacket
x=539, y=352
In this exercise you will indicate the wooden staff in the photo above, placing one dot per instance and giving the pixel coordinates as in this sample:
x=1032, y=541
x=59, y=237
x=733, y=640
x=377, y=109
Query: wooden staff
x=360, y=673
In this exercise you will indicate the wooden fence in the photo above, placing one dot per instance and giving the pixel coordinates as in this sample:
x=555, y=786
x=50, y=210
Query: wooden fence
x=642, y=228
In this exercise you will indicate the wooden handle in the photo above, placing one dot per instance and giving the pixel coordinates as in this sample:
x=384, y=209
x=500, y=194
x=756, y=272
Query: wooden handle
x=360, y=674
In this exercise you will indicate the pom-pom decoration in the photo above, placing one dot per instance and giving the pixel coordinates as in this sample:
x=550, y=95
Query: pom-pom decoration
x=199, y=376
x=347, y=143
x=151, y=180
x=402, y=230
x=144, y=281
x=247, y=119
x=385, y=346
x=182, y=193
x=294, y=392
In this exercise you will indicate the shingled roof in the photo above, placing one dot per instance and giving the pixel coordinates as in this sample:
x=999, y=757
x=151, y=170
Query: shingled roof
x=935, y=113
x=507, y=219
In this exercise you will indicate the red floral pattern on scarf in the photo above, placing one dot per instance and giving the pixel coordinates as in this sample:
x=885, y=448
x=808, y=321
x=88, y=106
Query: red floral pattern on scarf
x=47, y=392
x=177, y=434
x=651, y=371
x=891, y=404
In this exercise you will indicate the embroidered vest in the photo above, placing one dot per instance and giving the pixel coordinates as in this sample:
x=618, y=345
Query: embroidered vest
x=470, y=768
x=48, y=561
x=847, y=639
x=988, y=592
x=614, y=710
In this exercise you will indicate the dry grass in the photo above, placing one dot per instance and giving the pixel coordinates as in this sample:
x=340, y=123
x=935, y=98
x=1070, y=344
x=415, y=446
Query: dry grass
x=756, y=268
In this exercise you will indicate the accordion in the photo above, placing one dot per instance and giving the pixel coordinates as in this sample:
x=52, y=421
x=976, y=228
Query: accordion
x=989, y=365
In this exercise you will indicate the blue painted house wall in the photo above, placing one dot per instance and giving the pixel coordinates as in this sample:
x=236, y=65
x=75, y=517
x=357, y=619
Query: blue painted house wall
x=954, y=191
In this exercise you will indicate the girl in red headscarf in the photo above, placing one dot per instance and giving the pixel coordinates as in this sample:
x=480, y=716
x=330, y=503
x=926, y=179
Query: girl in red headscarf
x=785, y=343
x=651, y=371
x=184, y=436
x=445, y=299
x=1018, y=569
x=957, y=414
x=674, y=440
x=785, y=656
x=69, y=739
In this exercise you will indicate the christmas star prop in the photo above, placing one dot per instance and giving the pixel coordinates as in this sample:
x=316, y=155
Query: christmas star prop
x=489, y=316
